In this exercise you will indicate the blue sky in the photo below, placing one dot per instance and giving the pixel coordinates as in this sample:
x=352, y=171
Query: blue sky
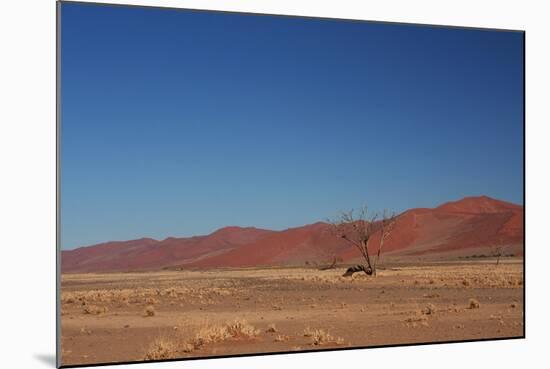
x=176, y=123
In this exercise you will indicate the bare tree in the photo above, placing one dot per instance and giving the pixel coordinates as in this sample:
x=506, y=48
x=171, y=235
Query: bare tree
x=388, y=224
x=357, y=228
x=496, y=251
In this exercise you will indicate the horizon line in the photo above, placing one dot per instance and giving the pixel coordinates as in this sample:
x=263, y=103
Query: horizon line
x=282, y=229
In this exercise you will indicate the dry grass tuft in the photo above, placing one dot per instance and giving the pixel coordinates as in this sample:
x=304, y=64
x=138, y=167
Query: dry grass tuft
x=429, y=309
x=281, y=338
x=210, y=334
x=320, y=337
x=241, y=329
x=474, y=304
x=431, y=296
x=414, y=321
x=236, y=329
x=160, y=349
x=271, y=328
x=149, y=311
x=188, y=347
x=68, y=299
x=95, y=310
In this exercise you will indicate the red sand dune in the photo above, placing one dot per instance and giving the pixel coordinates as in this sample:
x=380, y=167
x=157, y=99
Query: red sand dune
x=471, y=226
x=147, y=253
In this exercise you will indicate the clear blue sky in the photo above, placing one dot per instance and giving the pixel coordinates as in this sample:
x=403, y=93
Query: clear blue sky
x=176, y=123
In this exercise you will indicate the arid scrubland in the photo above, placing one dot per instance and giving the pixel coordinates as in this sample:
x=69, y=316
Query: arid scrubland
x=116, y=317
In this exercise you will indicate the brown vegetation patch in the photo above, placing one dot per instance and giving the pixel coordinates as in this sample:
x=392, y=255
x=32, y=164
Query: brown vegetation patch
x=321, y=337
x=149, y=311
x=95, y=310
x=160, y=349
x=429, y=309
x=281, y=338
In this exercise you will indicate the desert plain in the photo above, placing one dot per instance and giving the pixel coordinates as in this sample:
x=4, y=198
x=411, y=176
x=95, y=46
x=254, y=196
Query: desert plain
x=169, y=314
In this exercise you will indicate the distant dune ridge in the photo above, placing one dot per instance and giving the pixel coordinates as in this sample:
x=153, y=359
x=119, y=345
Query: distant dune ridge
x=473, y=226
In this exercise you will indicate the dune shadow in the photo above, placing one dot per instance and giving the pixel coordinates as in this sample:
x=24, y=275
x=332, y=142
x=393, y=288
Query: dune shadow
x=48, y=359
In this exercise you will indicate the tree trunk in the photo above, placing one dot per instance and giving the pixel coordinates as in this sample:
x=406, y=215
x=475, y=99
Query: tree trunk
x=358, y=268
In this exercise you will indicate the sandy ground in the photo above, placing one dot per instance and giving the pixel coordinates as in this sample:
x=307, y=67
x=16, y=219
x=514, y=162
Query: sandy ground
x=178, y=314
